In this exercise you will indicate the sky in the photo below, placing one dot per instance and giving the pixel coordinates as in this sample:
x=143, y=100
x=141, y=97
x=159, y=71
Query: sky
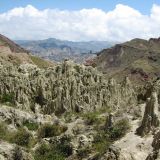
x=142, y=5
x=80, y=20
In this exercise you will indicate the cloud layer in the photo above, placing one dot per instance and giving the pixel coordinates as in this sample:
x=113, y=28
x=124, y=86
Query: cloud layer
x=121, y=24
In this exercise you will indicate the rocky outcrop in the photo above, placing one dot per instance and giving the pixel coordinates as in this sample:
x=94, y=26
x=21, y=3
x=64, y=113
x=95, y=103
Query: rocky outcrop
x=151, y=116
x=138, y=59
x=156, y=147
x=112, y=154
x=16, y=117
x=13, y=152
x=65, y=87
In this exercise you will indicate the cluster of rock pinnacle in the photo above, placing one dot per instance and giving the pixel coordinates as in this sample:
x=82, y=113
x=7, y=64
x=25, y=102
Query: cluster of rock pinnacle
x=65, y=87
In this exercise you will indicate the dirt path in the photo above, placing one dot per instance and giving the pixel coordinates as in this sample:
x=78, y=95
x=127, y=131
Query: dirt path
x=134, y=147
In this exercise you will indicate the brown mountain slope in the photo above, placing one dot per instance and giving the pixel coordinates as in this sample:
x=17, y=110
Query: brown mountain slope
x=4, y=41
x=138, y=59
x=12, y=53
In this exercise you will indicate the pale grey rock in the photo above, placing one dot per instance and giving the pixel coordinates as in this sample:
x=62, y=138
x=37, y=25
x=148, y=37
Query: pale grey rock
x=151, y=116
x=16, y=117
x=65, y=87
x=155, y=154
x=7, y=152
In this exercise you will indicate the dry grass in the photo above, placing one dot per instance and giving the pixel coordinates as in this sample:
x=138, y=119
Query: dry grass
x=40, y=62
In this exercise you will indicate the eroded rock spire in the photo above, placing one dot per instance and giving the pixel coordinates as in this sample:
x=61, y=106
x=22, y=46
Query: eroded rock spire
x=151, y=116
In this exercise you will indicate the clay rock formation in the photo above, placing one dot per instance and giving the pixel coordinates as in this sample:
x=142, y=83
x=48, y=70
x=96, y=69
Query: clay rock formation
x=112, y=154
x=17, y=117
x=65, y=87
x=156, y=147
x=13, y=152
x=151, y=116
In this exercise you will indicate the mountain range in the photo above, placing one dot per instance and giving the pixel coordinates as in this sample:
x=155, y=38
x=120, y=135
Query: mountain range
x=58, y=50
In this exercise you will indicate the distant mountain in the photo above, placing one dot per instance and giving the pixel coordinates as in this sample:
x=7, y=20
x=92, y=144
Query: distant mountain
x=59, y=50
x=139, y=59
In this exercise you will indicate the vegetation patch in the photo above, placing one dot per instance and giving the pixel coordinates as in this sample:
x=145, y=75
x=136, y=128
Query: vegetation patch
x=95, y=117
x=32, y=126
x=49, y=130
x=91, y=118
x=119, y=129
x=83, y=152
x=105, y=138
x=101, y=142
x=8, y=98
x=55, y=151
x=3, y=131
x=40, y=62
x=142, y=63
x=22, y=138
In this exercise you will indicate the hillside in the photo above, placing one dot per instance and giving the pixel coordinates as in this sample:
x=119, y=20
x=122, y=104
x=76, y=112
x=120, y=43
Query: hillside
x=12, y=53
x=59, y=50
x=139, y=59
x=4, y=41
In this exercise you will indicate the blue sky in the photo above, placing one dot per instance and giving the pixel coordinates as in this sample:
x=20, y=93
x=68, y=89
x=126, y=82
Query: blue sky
x=80, y=20
x=143, y=6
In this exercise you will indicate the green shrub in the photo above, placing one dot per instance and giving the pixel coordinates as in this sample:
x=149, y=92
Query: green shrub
x=56, y=151
x=5, y=134
x=83, y=152
x=101, y=142
x=8, y=97
x=64, y=146
x=94, y=117
x=47, y=152
x=119, y=129
x=68, y=116
x=31, y=125
x=91, y=118
x=48, y=130
x=104, y=138
x=3, y=131
x=22, y=138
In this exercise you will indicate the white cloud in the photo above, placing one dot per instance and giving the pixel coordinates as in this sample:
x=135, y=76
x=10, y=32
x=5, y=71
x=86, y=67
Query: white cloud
x=122, y=23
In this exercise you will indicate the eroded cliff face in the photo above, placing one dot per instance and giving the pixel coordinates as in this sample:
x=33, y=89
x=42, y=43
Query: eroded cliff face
x=65, y=87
